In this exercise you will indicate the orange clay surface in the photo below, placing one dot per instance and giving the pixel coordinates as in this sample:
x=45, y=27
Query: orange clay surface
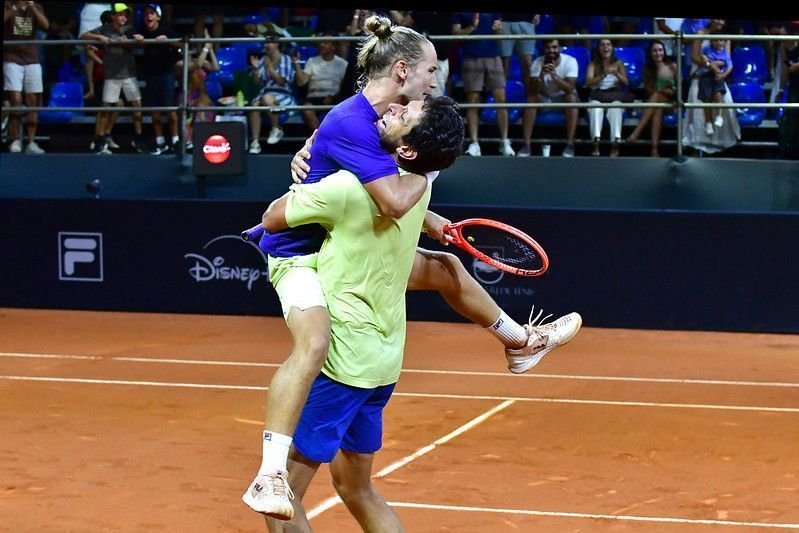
x=152, y=422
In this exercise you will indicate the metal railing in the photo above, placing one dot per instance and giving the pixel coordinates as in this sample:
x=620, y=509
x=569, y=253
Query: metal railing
x=185, y=109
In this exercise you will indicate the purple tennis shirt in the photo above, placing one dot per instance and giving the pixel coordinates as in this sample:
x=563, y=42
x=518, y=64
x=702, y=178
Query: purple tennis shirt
x=347, y=139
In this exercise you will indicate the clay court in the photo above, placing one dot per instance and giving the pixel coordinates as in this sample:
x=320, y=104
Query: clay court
x=152, y=422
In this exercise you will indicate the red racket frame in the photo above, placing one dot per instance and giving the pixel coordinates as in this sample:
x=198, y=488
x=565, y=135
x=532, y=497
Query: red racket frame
x=453, y=233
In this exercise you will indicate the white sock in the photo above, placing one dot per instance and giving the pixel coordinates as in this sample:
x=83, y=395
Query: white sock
x=160, y=140
x=511, y=333
x=175, y=139
x=276, y=452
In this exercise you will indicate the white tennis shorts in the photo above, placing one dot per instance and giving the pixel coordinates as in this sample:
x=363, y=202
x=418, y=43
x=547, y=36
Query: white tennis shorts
x=112, y=88
x=22, y=78
x=296, y=282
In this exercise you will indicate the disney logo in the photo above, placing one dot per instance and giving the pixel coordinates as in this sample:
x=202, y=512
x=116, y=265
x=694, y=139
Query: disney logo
x=205, y=269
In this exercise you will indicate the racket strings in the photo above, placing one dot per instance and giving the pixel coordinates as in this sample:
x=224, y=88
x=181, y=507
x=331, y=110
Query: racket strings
x=503, y=246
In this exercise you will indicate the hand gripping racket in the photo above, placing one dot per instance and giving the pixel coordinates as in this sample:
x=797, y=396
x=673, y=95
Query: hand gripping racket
x=253, y=234
x=499, y=245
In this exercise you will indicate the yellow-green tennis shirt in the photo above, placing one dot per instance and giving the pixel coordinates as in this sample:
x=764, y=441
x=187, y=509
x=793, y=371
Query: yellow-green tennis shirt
x=363, y=267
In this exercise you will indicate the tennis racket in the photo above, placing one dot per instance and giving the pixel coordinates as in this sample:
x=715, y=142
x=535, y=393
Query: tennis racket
x=499, y=245
x=253, y=234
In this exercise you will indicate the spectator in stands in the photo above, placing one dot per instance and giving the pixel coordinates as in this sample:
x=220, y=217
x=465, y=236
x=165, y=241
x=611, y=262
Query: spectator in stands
x=667, y=26
x=712, y=80
x=606, y=77
x=217, y=12
x=63, y=25
x=158, y=66
x=91, y=16
x=119, y=69
x=519, y=23
x=22, y=71
x=437, y=23
x=201, y=62
x=660, y=83
x=696, y=134
x=353, y=28
x=275, y=73
x=552, y=79
x=789, y=122
x=482, y=70
x=334, y=22
x=323, y=75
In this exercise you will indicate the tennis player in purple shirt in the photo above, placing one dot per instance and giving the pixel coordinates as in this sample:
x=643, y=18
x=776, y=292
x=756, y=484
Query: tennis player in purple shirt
x=398, y=65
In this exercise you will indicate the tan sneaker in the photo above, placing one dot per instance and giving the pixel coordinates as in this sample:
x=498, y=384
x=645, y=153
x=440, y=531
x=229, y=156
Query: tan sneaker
x=271, y=495
x=543, y=338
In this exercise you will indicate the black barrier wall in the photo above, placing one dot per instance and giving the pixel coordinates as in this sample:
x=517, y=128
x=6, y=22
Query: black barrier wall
x=639, y=269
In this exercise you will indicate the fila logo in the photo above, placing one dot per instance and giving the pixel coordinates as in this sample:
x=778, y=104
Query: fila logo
x=80, y=256
x=498, y=324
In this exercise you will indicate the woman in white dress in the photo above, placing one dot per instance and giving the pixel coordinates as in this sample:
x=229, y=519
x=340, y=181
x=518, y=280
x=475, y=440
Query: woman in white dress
x=695, y=134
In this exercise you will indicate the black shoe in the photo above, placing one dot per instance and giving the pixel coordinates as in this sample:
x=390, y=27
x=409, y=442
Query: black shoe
x=160, y=149
x=138, y=147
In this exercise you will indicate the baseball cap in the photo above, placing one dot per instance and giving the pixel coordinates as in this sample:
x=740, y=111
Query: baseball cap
x=154, y=7
x=119, y=8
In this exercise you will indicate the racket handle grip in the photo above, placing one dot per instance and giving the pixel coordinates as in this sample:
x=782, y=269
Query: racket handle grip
x=253, y=234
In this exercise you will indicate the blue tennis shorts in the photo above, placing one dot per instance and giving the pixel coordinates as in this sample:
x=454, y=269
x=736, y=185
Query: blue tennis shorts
x=338, y=416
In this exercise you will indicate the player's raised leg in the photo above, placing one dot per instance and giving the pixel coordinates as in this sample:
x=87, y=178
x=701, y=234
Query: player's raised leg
x=525, y=345
x=301, y=472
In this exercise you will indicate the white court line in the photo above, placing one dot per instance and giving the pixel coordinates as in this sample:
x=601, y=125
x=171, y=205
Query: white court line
x=593, y=516
x=420, y=394
x=333, y=500
x=424, y=371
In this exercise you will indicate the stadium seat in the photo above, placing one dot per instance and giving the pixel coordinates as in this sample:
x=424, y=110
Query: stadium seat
x=63, y=94
x=749, y=64
x=514, y=92
x=251, y=47
x=748, y=92
x=633, y=59
x=306, y=52
x=583, y=57
x=214, y=90
x=514, y=69
x=546, y=25
x=231, y=59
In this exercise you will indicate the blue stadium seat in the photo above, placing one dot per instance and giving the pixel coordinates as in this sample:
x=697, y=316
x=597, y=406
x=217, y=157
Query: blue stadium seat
x=748, y=92
x=633, y=59
x=514, y=69
x=546, y=25
x=214, y=90
x=306, y=52
x=230, y=60
x=63, y=94
x=249, y=47
x=514, y=92
x=583, y=57
x=749, y=64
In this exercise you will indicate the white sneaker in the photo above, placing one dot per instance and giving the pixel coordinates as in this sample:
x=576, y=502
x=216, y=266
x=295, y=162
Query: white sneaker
x=505, y=148
x=33, y=148
x=474, y=149
x=111, y=144
x=568, y=152
x=524, y=151
x=709, y=128
x=719, y=122
x=271, y=495
x=16, y=147
x=543, y=338
x=274, y=136
x=255, y=147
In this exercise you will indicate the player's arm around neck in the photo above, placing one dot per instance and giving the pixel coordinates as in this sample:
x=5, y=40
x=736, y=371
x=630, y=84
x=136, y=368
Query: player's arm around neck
x=396, y=196
x=274, y=218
